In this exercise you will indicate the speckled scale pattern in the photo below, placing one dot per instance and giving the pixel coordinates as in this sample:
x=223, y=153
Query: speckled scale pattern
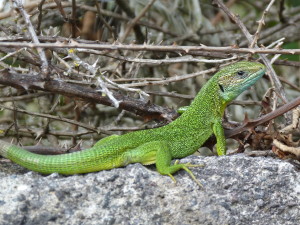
x=178, y=139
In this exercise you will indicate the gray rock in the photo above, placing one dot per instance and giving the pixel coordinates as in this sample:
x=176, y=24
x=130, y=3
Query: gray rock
x=237, y=190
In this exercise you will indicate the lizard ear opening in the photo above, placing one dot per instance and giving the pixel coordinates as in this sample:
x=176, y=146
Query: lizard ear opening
x=221, y=87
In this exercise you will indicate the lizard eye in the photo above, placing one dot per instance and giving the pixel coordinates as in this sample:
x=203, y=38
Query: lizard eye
x=221, y=87
x=240, y=73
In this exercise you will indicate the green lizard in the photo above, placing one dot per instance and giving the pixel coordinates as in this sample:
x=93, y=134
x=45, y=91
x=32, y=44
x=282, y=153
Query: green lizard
x=159, y=146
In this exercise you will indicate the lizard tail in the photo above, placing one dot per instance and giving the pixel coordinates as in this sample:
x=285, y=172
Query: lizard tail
x=89, y=160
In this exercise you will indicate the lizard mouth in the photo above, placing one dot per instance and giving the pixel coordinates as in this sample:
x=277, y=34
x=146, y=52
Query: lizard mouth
x=254, y=77
x=259, y=73
x=262, y=70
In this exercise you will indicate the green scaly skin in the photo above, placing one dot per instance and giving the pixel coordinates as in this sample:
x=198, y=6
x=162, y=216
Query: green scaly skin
x=176, y=140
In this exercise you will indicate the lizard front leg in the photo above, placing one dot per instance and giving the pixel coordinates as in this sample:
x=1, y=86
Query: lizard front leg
x=221, y=141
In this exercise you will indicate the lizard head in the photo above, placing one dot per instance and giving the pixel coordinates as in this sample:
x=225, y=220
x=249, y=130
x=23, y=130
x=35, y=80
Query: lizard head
x=236, y=78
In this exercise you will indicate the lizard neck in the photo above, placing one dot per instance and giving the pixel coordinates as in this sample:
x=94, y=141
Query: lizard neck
x=207, y=106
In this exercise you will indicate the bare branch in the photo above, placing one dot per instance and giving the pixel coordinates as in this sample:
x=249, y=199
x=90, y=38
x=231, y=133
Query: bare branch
x=254, y=123
x=97, y=130
x=45, y=66
x=135, y=20
x=275, y=81
x=261, y=23
x=188, y=50
x=58, y=86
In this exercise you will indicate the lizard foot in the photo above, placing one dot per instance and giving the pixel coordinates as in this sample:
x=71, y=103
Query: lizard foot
x=172, y=177
x=185, y=167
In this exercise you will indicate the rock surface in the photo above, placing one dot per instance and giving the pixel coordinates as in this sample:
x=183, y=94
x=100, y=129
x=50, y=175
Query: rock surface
x=237, y=190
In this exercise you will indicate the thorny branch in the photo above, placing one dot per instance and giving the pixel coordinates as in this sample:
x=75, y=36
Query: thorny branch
x=236, y=19
x=27, y=82
x=20, y=7
x=56, y=118
x=189, y=50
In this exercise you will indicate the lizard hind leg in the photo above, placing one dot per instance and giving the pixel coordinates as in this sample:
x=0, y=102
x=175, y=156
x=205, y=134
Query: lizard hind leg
x=158, y=152
x=164, y=167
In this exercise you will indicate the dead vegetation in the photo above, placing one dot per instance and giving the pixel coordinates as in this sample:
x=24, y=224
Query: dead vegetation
x=74, y=71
